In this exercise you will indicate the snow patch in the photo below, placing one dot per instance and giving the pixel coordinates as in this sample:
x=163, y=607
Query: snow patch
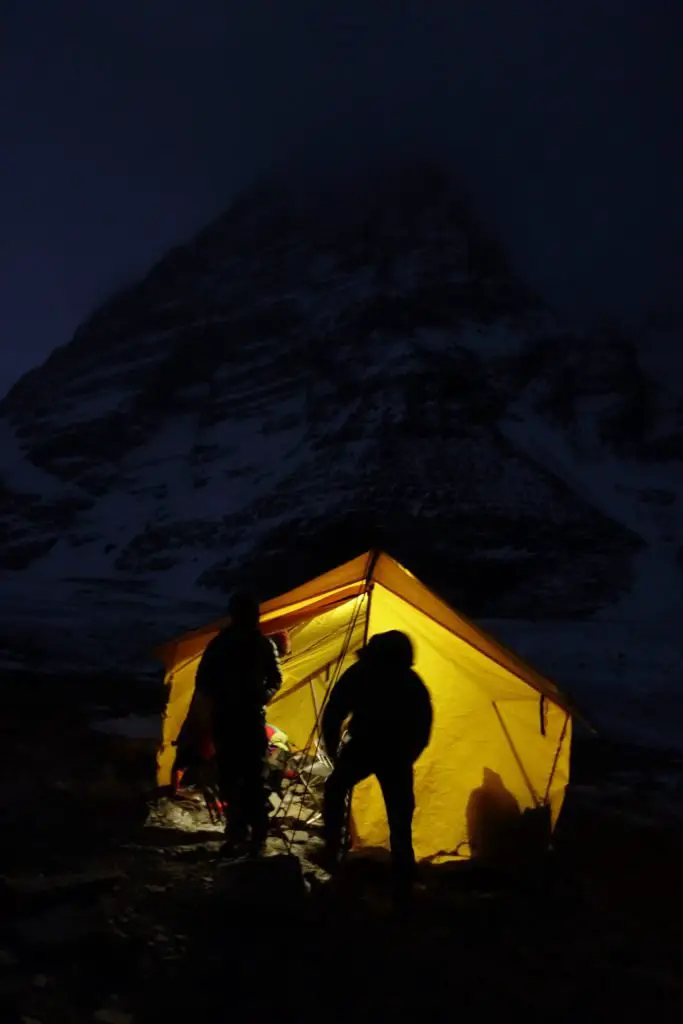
x=86, y=411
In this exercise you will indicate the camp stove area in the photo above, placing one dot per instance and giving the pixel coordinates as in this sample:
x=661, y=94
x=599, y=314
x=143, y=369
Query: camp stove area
x=294, y=783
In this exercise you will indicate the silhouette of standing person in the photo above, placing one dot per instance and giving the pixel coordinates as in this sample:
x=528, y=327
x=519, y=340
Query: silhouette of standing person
x=390, y=724
x=239, y=673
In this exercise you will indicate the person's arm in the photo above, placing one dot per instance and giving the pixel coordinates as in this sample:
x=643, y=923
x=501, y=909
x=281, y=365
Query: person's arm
x=273, y=680
x=205, y=676
x=337, y=709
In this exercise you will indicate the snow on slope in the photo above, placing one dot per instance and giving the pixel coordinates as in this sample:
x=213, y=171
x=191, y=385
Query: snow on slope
x=581, y=458
x=647, y=499
x=20, y=474
x=624, y=666
x=290, y=388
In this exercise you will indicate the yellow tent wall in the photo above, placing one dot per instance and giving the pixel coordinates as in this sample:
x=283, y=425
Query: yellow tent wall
x=484, y=717
x=488, y=712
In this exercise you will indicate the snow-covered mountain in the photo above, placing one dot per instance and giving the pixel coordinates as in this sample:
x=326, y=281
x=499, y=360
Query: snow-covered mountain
x=312, y=376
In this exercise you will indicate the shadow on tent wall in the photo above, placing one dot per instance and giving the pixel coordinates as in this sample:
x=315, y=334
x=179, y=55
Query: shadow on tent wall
x=503, y=845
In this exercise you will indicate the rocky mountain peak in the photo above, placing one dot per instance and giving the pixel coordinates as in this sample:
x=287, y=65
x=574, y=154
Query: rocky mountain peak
x=317, y=371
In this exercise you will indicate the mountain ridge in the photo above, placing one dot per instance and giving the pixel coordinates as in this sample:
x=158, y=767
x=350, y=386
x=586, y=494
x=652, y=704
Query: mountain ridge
x=289, y=389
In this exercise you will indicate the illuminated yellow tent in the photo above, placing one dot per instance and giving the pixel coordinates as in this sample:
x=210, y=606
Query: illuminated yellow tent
x=491, y=710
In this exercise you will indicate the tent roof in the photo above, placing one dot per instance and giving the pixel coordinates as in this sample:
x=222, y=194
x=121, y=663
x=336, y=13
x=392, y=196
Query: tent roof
x=349, y=580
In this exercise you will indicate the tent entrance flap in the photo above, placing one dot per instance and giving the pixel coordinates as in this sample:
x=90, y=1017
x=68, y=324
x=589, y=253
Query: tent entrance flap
x=326, y=646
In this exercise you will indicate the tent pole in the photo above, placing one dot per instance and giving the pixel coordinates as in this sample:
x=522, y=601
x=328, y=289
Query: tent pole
x=369, y=584
x=372, y=565
x=516, y=756
x=332, y=681
x=369, y=587
x=367, y=615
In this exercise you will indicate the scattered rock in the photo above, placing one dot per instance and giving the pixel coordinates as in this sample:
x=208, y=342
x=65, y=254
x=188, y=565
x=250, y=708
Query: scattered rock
x=197, y=851
x=188, y=817
x=275, y=801
x=108, y=1015
x=297, y=836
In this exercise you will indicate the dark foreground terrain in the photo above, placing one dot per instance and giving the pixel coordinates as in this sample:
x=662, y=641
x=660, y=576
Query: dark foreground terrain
x=105, y=920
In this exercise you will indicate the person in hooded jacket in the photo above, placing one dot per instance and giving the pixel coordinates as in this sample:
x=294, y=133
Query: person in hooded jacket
x=238, y=674
x=390, y=725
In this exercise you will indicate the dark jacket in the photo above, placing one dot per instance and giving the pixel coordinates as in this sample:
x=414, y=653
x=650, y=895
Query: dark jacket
x=389, y=706
x=238, y=673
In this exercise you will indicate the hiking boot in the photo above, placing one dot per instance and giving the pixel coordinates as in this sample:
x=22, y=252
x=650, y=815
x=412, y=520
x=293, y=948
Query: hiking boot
x=234, y=848
x=256, y=847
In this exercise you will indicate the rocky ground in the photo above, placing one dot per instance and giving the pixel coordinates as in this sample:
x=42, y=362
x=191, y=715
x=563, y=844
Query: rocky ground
x=106, y=920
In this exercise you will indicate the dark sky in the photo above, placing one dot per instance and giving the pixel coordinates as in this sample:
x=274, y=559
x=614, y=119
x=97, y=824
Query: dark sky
x=125, y=124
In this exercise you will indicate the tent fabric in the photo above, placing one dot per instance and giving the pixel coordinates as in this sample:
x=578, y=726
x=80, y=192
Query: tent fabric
x=317, y=644
x=494, y=715
x=484, y=718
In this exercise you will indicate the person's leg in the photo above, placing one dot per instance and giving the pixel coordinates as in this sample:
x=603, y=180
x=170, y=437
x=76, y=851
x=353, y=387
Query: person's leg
x=231, y=786
x=255, y=801
x=350, y=768
x=396, y=780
